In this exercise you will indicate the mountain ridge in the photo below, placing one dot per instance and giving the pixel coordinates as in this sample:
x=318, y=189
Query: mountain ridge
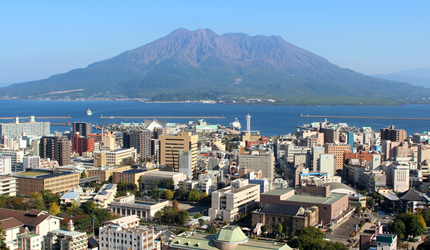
x=201, y=61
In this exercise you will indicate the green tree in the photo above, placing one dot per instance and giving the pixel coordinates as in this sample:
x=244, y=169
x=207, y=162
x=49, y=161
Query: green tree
x=201, y=222
x=397, y=227
x=36, y=201
x=154, y=192
x=197, y=216
x=426, y=216
x=370, y=202
x=168, y=183
x=279, y=228
x=286, y=230
x=425, y=245
x=3, y=245
x=182, y=217
x=181, y=194
x=49, y=197
x=84, y=174
x=54, y=209
x=158, y=217
x=362, y=192
x=264, y=229
x=211, y=229
x=168, y=194
x=194, y=195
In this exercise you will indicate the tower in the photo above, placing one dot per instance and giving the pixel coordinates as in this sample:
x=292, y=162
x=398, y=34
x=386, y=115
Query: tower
x=248, y=124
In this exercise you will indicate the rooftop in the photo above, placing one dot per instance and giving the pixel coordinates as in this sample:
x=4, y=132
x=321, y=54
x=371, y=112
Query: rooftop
x=235, y=190
x=278, y=191
x=134, y=171
x=330, y=199
x=270, y=208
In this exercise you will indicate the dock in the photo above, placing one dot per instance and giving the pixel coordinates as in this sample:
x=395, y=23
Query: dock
x=60, y=124
x=36, y=117
x=365, y=117
x=162, y=117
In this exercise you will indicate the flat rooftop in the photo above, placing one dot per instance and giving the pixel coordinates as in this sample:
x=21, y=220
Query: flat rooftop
x=163, y=173
x=235, y=190
x=331, y=199
x=278, y=191
x=41, y=174
x=32, y=173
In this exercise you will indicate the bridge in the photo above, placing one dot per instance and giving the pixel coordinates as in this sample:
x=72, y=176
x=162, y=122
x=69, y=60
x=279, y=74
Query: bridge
x=162, y=117
x=89, y=179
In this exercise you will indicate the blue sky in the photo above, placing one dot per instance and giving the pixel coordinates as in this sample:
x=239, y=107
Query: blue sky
x=42, y=38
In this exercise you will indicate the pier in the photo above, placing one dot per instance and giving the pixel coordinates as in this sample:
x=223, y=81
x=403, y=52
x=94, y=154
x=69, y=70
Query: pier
x=162, y=117
x=60, y=124
x=36, y=117
x=365, y=117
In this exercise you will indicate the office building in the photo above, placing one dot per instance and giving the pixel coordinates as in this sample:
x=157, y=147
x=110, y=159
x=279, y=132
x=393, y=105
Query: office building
x=131, y=175
x=170, y=145
x=83, y=128
x=338, y=150
x=56, y=148
x=327, y=164
x=105, y=172
x=16, y=158
x=82, y=144
x=264, y=162
x=229, y=201
x=116, y=157
x=37, y=181
x=17, y=128
x=140, y=140
x=31, y=162
x=123, y=238
x=330, y=135
x=397, y=135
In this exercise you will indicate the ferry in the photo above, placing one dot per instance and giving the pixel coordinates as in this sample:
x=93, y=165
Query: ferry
x=235, y=124
x=89, y=112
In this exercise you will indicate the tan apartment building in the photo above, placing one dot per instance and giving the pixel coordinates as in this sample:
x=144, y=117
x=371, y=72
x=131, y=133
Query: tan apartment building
x=229, y=201
x=8, y=186
x=105, y=172
x=116, y=157
x=264, y=162
x=131, y=175
x=38, y=181
x=338, y=150
x=170, y=145
x=392, y=134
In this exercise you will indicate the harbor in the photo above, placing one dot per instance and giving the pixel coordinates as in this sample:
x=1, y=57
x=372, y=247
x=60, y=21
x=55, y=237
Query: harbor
x=365, y=117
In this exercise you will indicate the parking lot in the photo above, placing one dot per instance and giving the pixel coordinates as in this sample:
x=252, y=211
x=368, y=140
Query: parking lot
x=343, y=232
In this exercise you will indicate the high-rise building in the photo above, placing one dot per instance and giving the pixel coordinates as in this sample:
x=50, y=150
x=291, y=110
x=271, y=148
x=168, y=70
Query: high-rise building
x=5, y=165
x=56, y=148
x=264, y=162
x=330, y=135
x=31, y=162
x=392, y=134
x=82, y=144
x=16, y=128
x=338, y=150
x=170, y=145
x=83, y=128
x=140, y=140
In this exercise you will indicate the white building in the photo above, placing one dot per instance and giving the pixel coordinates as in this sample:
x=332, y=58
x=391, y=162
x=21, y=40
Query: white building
x=327, y=164
x=5, y=165
x=116, y=237
x=31, y=162
x=185, y=163
x=398, y=177
x=229, y=201
x=8, y=185
x=16, y=156
x=105, y=195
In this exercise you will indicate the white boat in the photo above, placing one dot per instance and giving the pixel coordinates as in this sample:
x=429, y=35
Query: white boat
x=89, y=112
x=235, y=124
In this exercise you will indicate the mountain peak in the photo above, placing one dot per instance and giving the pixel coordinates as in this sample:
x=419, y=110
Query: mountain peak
x=201, y=60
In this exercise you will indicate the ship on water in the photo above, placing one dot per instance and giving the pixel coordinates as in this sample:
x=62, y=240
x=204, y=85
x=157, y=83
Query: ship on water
x=89, y=112
x=235, y=124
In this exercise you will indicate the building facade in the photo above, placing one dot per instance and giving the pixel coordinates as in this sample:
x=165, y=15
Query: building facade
x=170, y=145
x=56, y=148
x=17, y=128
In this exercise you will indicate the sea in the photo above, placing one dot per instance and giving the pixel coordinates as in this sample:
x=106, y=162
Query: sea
x=269, y=120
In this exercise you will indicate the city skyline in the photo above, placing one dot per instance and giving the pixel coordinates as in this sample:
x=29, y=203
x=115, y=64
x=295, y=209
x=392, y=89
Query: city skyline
x=40, y=40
